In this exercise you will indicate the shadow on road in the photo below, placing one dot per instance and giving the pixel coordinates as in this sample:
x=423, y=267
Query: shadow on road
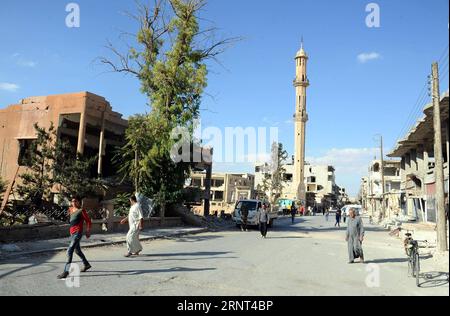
x=434, y=279
x=169, y=257
x=390, y=260
x=141, y=272
x=194, y=238
x=286, y=237
x=189, y=254
x=28, y=263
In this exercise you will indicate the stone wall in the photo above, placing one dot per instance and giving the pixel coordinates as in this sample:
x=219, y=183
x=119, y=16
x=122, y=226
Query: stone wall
x=46, y=231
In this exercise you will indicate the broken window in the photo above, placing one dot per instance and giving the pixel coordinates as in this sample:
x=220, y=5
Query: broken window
x=217, y=183
x=218, y=196
x=24, y=158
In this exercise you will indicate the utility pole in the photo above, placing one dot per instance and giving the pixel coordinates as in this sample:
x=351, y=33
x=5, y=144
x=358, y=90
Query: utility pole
x=383, y=183
x=438, y=169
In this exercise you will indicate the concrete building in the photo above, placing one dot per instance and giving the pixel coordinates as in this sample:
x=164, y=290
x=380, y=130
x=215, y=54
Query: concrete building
x=372, y=189
x=301, y=83
x=86, y=120
x=416, y=150
x=226, y=189
x=319, y=181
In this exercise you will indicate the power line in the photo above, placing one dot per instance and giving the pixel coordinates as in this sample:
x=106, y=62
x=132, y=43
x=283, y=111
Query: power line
x=422, y=99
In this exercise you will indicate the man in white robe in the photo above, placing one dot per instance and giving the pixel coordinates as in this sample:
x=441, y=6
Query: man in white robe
x=136, y=222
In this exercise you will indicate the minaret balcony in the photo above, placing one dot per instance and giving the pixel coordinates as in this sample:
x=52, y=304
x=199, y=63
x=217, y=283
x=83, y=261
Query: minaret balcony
x=299, y=118
x=301, y=83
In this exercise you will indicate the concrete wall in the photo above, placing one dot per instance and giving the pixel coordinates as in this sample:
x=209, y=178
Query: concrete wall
x=44, y=231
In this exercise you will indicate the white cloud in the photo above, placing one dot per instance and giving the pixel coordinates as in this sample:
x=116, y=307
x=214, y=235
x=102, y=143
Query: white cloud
x=366, y=57
x=351, y=165
x=10, y=87
x=26, y=63
x=23, y=62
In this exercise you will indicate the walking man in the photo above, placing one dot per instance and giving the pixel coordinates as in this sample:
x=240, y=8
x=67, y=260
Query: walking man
x=338, y=218
x=344, y=216
x=78, y=216
x=293, y=213
x=355, y=237
x=136, y=222
x=327, y=214
x=263, y=220
x=244, y=216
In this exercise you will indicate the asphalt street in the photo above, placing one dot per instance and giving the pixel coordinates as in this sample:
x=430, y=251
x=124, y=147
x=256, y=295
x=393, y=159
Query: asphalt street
x=307, y=258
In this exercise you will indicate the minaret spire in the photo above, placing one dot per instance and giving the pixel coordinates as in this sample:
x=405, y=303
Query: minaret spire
x=301, y=84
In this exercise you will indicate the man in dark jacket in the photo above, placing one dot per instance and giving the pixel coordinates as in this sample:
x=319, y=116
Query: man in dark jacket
x=293, y=213
x=263, y=220
x=244, y=217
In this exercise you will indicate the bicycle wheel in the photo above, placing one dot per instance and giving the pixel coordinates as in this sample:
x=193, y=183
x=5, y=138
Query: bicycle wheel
x=417, y=269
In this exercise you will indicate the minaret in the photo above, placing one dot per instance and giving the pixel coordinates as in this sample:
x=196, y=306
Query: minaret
x=301, y=83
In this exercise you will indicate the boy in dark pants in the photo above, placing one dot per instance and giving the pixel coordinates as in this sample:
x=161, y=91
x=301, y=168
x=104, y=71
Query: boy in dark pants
x=263, y=219
x=293, y=213
x=77, y=218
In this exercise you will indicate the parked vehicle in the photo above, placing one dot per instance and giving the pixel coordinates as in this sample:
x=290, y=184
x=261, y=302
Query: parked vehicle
x=253, y=207
x=347, y=208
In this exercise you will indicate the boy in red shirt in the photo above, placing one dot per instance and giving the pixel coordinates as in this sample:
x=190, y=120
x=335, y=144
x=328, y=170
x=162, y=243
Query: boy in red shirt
x=77, y=218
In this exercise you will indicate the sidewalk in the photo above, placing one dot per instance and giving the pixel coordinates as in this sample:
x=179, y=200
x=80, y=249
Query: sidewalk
x=20, y=249
x=422, y=232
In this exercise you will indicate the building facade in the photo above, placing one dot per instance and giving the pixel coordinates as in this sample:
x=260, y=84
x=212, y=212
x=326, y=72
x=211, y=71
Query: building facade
x=84, y=119
x=416, y=150
x=374, y=198
x=226, y=190
x=319, y=182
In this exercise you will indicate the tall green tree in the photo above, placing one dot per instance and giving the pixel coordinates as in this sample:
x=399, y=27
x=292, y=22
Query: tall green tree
x=73, y=173
x=37, y=181
x=169, y=59
x=279, y=171
x=130, y=158
x=2, y=187
x=53, y=162
x=273, y=181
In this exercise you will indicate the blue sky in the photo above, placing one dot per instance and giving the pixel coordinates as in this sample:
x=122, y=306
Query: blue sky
x=348, y=101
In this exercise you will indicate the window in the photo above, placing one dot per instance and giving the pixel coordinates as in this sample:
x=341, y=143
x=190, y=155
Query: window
x=197, y=182
x=376, y=167
x=217, y=183
x=25, y=152
x=218, y=196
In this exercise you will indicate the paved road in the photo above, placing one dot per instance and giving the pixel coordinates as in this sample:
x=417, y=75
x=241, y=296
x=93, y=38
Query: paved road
x=308, y=258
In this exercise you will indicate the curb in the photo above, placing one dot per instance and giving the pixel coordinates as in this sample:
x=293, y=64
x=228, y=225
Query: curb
x=100, y=245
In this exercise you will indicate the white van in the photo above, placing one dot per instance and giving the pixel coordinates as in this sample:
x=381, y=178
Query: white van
x=253, y=207
x=346, y=209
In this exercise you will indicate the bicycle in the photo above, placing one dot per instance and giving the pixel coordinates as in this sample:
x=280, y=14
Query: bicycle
x=412, y=251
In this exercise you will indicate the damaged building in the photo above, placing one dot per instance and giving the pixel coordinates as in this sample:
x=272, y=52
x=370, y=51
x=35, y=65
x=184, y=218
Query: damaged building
x=84, y=119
